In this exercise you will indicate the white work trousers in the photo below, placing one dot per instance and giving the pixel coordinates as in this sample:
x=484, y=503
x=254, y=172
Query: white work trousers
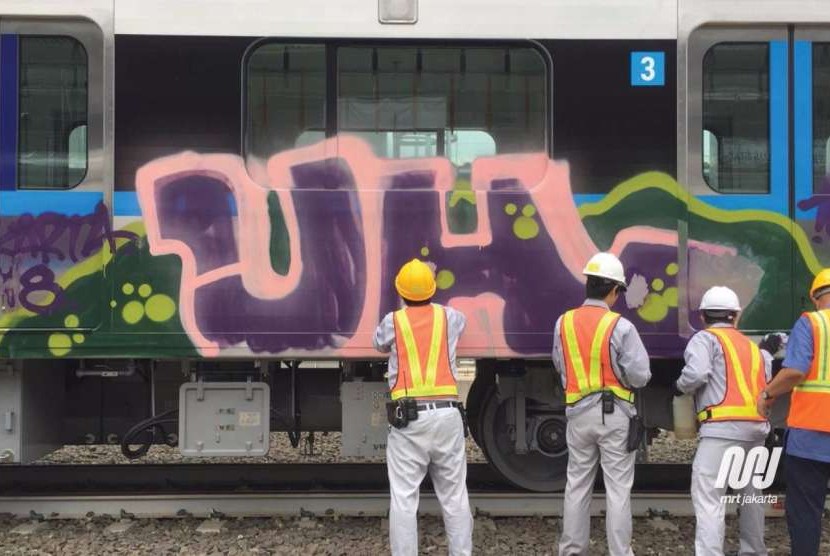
x=710, y=510
x=434, y=443
x=590, y=442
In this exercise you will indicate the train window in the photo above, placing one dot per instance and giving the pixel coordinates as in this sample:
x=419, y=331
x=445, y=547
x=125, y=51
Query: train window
x=53, y=100
x=456, y=102
x=821, y=114
x=735, y=150
x=286, y=96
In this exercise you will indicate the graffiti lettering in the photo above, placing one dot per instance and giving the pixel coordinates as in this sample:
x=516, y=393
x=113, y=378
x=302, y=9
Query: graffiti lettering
x=820, y=201
x=352, y=219
x=30, y=246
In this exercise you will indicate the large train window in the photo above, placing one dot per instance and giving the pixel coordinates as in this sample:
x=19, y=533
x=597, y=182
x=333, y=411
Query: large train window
x=821, y=116
x=735, y=153
x=733, y=149
x=53, y=105
x=53, y=97
x=456, y=102
x=286, y=98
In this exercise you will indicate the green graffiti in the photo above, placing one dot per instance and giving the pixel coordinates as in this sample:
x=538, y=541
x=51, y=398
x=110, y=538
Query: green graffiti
x=654, y=308
x=279, y=248
x=133, y=312
x=445, y=279
x=758, y=236
x=160, y=308
x=59, y=344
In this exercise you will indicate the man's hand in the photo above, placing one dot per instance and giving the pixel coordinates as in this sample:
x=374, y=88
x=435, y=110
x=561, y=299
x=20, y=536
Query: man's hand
x=763, y=405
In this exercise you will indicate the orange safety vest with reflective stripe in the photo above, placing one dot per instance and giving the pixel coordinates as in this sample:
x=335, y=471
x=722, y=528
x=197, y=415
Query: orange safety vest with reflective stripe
x=745, y=379
x=585, y=334
x=810, y=401
x=421, y=337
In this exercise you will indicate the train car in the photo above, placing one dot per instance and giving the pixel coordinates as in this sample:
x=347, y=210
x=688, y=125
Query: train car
x=206, y=202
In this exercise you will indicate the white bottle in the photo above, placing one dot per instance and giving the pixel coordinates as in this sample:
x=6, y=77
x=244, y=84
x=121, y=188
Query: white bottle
x=685, y=420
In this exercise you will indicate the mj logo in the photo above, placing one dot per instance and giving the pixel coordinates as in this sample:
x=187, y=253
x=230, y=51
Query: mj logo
x=738, y=467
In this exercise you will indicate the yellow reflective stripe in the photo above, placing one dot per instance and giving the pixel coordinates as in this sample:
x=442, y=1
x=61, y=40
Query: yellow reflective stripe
x=740, y=378
x=435, y=345
x=727, y=411
x=595, y=379
x=821, y=383
x=573, y=351
x=573, y=397
x=813, y=386
x=822, y=360
x=429, y=391
x=757, y=367
x=411, y=349
x=622, y=393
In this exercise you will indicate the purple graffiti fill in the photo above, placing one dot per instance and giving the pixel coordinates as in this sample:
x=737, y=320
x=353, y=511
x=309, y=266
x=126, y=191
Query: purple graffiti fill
x=197, y=209
x=820, y=201
x=328, y=301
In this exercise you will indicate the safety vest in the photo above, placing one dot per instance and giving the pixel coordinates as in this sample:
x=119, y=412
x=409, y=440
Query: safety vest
x=585, y=334
x=745, y=379
x=810, y=401
x=421, y=336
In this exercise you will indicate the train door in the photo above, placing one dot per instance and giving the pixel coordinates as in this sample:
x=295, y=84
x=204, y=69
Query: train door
x=736, y=159
x=811, y=146
x=55, y=176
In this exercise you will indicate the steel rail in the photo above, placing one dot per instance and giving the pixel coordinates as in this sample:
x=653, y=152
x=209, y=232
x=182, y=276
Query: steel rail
x=270, y=478
x=364, y=504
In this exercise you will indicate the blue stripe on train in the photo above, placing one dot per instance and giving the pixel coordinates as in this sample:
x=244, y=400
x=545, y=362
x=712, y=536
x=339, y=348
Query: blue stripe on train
x=803, y=123
x=16, y=203
x=8, y=111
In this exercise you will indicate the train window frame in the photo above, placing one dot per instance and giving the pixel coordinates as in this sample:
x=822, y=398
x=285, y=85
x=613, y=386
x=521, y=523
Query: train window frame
x=98, y=96
x=20, y=154
x=767, y=141
x=690, y=122
x=332, y=75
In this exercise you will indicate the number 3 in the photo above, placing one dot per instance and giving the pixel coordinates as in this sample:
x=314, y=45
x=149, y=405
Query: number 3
x=648, y=66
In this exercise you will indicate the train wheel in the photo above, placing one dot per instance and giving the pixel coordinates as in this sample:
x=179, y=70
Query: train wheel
x=475, y=397
x=543, y=467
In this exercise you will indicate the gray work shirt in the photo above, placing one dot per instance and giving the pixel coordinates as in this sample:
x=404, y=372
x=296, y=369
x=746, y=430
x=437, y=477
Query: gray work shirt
x=629, y=360
x=705, y=376
x=384, y=340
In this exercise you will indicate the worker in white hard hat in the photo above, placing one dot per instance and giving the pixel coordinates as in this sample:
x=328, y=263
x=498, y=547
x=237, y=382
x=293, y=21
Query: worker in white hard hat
x=726, y=372
x=427, y=421
x=601, y=360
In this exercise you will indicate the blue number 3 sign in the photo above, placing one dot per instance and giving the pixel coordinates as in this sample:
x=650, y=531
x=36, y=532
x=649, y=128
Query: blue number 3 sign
x=648, y=69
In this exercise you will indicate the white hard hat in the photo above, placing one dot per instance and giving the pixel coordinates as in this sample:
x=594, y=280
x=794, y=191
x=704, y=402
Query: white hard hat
x=720, y=298
x=605, y=265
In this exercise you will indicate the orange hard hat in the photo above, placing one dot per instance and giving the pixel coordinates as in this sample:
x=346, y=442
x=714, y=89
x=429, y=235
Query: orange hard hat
x=415, y=281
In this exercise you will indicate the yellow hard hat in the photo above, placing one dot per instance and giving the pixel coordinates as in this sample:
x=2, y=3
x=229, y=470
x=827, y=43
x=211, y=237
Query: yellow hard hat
x=821, y=281
x=415, y=281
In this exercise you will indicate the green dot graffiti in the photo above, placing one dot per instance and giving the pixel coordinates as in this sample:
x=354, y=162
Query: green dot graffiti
x=660, y=299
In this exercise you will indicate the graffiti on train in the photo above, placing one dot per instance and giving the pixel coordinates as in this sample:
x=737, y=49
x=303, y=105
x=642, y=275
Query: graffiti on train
x=302, y=255
x=34, y=247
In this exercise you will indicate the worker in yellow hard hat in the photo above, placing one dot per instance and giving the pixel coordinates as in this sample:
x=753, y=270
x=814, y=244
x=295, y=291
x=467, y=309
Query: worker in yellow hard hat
x=428, y=429
x=806, y=373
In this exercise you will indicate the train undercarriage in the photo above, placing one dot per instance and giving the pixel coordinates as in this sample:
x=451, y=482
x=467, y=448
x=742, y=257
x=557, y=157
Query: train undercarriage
x=138, y=403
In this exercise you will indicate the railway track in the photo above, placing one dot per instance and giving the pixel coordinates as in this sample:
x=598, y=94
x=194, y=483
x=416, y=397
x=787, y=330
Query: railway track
x=244, y=490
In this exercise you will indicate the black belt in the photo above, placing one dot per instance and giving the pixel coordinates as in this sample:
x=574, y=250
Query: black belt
x=436, y=405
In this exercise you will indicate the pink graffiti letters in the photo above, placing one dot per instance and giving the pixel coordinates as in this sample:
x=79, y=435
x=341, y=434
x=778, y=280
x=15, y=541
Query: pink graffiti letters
x=352, y=218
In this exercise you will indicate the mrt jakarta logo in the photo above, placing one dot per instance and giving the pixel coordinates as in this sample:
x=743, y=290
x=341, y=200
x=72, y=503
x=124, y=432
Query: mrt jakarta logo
x=739, y=468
